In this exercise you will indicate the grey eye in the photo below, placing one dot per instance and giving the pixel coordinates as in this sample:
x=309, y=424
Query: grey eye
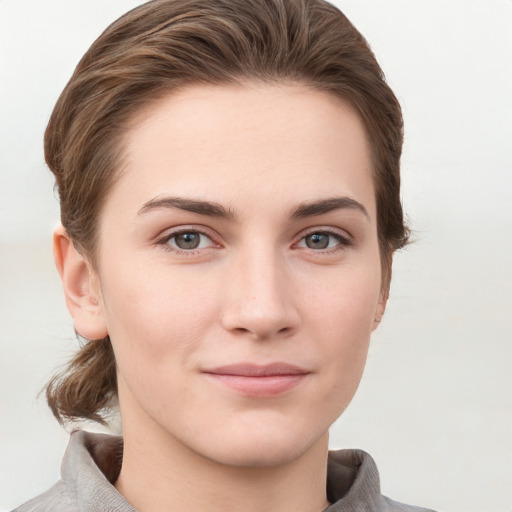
x=187, y=240
x=317, y=241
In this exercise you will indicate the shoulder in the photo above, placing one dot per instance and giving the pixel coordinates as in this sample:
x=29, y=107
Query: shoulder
x=90, y=466
x=353, y=484
x=54, y=499
x=394, y=506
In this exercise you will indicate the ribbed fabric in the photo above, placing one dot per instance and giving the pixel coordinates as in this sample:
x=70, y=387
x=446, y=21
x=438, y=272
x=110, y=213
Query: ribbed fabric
x=92, y=463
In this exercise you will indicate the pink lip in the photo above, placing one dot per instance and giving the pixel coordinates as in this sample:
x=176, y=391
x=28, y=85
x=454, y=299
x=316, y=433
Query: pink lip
x=259, y=381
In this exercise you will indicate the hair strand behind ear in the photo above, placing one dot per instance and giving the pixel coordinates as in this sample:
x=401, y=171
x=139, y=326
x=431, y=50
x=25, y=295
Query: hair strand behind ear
x=84, y=389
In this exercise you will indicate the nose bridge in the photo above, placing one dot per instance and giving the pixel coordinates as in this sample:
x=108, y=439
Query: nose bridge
x=260, y=294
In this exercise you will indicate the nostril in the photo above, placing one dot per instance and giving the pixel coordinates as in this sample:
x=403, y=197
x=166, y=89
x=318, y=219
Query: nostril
x=241, y=330
x=263, y=334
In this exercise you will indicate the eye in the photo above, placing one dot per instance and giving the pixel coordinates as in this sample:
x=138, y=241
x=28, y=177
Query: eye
x=187, y=241
x=322, y=240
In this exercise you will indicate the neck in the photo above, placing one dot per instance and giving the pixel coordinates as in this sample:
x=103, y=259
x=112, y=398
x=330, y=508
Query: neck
x=160, y=474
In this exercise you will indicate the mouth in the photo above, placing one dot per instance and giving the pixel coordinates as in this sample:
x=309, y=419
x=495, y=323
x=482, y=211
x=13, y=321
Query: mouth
x=258, y=380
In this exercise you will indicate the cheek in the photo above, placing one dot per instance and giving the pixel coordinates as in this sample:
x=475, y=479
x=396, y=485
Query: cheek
x=154, y=321
x=341, y=320
x=345, y=301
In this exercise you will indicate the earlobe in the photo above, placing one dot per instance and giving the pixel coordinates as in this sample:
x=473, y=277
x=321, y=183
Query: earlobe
x=81, y=287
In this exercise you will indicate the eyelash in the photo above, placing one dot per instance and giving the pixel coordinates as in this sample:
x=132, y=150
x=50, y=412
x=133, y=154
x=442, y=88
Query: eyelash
x=343, y=239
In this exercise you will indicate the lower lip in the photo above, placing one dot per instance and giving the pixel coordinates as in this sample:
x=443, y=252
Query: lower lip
x=264, y=386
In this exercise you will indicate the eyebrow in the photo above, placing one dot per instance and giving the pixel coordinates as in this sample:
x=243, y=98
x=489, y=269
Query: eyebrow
x=311, y=209
x=190, y=205
x=211, y=209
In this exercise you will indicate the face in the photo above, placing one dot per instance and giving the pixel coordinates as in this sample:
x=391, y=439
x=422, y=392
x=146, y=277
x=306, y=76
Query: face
x=238, y=270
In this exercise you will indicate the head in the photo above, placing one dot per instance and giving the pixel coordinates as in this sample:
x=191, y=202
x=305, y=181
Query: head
x=220, y=60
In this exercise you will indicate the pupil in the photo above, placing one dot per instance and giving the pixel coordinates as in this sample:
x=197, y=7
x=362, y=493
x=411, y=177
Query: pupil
x=317, y=241
x=187, y=240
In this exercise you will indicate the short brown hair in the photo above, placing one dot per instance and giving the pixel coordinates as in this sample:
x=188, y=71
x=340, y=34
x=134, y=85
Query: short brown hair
x=165, y=45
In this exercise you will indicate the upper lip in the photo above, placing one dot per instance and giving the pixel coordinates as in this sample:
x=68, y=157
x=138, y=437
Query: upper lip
x=256, y=370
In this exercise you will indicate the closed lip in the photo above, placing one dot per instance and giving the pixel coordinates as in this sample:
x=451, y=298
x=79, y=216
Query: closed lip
x=254, y=370
x=258, y=381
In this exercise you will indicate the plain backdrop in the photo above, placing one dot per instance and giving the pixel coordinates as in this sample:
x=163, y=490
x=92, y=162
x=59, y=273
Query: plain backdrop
x=435, y=405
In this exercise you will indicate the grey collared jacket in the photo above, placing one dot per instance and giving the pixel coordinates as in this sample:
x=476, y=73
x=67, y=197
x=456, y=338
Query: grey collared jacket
x=92, y=463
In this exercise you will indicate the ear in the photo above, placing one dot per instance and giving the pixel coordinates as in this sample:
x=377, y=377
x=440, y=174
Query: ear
x=381, y=307
x=385, y=283
x=81, y=287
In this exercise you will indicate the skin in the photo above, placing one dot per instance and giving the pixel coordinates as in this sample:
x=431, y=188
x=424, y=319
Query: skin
x=258, y=289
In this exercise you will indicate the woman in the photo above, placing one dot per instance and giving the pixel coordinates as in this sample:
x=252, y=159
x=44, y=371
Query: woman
x=229, y=182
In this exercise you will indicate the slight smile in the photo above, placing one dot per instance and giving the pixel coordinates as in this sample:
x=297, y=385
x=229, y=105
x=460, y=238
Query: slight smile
x=259, y=381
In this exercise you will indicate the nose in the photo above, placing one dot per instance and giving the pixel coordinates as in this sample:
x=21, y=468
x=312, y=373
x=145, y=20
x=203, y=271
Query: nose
x=260, y=302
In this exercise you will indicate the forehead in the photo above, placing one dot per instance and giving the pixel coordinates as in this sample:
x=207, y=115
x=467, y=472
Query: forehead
x=233, y=143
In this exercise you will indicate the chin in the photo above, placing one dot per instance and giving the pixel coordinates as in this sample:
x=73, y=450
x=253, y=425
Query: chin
x=261, y=449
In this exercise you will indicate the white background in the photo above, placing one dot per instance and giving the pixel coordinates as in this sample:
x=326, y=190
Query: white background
x=435, y=405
